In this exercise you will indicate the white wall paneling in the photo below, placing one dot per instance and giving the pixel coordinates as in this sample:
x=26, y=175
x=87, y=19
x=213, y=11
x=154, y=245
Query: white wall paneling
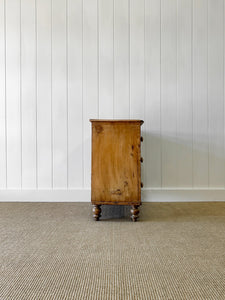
x=44, y=94
x=137, y=74
x=90, y=79
x=200, y=95
x=121, y=59
x=137, y=65
x=3, y=151
x=13, y=93
x=28, y=93
x=63, y=62
x=184, y=93
x=169, y=20
x=59, y=93
x=216, y=92
x=152, y=118
x=75, y=92
x=106, y=58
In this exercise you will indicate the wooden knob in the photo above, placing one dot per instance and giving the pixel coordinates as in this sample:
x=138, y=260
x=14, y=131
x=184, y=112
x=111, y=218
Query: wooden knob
x=142, y=139
x=142, y=159
x=142, y=184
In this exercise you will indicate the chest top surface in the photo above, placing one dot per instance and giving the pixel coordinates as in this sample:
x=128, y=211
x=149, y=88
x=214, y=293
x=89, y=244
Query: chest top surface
x=117, y=121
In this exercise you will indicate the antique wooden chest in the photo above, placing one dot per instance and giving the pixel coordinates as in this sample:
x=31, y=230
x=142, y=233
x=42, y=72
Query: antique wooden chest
x=116, y=164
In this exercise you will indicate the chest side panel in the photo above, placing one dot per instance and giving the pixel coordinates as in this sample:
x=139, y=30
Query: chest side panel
x=115, y=163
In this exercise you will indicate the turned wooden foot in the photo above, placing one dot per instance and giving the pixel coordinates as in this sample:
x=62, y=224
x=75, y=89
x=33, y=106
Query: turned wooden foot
x=134, y=212
x=96, y=212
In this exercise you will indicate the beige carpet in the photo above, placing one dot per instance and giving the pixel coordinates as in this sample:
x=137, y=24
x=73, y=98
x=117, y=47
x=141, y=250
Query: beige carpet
x=56, y=251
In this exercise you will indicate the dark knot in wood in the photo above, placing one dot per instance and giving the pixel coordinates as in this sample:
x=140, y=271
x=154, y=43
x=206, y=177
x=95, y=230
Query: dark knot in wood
x=117, y=192
x=98, y=128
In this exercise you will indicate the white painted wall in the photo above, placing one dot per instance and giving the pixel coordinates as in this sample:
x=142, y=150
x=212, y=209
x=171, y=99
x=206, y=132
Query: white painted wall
x=63, y=62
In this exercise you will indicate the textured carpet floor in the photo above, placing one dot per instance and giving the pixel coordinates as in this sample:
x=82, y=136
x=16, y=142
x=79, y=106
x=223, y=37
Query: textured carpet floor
x=56, y=251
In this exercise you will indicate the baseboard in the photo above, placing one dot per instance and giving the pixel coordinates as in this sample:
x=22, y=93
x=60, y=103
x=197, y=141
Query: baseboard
x=84, y=195
x=59, y=195
x=183, y=195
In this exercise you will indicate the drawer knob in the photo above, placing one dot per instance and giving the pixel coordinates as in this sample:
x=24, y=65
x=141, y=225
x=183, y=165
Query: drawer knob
x=142, y=139
x=142, y=185
x=142, y=159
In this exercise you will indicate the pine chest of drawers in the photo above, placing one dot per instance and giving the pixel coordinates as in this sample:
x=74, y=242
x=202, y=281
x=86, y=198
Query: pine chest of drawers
x=116, y=164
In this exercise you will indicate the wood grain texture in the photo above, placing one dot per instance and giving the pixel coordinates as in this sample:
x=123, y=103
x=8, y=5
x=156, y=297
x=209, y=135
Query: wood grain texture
x=116, y=167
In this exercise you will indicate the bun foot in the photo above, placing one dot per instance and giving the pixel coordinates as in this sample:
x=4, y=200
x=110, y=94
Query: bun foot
x=96, y=212
x=134, y=213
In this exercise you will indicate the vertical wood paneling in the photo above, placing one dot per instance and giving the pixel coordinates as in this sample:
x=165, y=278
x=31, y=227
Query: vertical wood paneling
x=90, y=79
x=2, y=98
x=44, y=95
x=200, y=95
x=121, y=59
x=137, y=74
x=13, y=116
x=75, y=126
x=224, y=73
x=153, y=94
x=169, y=92
x=184, y=94
x=215, y=93
x=28, y=92
x=106, y=58
x=63, y=62
x=137, y=66
x=59, y=93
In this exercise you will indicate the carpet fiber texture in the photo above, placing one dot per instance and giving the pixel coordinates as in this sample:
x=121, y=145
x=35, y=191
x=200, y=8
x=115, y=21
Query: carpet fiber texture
x=56, y=251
